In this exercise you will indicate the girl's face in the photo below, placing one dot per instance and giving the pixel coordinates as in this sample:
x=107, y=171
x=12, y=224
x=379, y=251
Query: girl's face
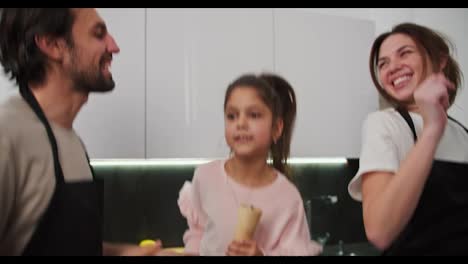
x=401, y=67
x=248, y=123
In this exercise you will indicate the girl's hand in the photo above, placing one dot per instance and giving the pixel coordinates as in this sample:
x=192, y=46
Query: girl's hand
x=432, y=99
x=243, y=248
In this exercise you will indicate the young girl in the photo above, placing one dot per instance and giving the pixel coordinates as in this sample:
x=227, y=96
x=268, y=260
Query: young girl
x=259, y=118
x=413, y=175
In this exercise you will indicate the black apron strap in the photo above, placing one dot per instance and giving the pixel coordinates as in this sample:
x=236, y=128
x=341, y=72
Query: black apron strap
x=460, y=124
x=72, y=222
x=31, y=100
x=404, y=113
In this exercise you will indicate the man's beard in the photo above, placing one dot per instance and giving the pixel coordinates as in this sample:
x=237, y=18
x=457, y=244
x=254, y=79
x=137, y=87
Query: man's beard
x=87, y=82
x=92, y=80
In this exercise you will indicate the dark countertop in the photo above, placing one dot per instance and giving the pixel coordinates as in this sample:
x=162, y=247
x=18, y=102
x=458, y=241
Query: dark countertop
x=351, y=249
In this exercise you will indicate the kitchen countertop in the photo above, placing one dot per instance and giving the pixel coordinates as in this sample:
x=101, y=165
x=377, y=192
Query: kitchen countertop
x=351, y=249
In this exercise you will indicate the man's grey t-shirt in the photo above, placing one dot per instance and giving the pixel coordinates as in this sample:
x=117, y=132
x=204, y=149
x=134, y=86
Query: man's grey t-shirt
x=27, y=178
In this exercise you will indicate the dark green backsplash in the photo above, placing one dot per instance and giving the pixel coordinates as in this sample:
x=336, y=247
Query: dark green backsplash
x=141, y=202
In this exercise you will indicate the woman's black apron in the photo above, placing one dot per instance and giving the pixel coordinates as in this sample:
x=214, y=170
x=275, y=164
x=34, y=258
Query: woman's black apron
x=72, y=223
x=439, y=225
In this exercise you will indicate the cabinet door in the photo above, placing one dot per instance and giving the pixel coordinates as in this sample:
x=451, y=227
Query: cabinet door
x=112, y=124
x=326, y=60
x=192, y=56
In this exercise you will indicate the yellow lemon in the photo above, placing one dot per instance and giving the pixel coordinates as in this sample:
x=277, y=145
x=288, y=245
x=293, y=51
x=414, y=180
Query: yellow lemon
x=147, y=242
x=176, y=249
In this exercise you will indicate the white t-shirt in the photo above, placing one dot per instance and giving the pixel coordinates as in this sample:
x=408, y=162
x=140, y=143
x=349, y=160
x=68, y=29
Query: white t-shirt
x=27, y=177
x=387, y=139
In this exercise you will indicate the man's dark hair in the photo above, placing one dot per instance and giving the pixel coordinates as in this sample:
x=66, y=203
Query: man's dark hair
x=21, y=58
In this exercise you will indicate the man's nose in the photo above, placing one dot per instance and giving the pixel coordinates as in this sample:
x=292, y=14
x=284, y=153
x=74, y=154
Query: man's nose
x=112, y=46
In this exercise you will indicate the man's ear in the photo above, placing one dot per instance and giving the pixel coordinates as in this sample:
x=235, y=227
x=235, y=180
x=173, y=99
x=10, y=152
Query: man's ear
x=52, y=47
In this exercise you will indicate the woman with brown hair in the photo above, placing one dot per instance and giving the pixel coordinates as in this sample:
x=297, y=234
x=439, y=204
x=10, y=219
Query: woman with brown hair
x=413, y=175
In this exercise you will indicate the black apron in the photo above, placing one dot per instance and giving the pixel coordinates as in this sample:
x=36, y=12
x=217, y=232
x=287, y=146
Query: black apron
x=72, y=223
x=439, y=225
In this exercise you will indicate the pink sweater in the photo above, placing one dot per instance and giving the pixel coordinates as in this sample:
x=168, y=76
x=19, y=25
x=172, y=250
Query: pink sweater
x=210, y=205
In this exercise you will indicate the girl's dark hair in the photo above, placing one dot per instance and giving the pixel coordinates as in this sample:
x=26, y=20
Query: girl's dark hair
x=22, y=60
x=431, y=44
x=280, y=98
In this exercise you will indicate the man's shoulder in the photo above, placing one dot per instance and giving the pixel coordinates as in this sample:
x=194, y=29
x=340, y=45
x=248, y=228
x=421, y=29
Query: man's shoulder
x=10, y=108
x=15, y=117
x=8, y=117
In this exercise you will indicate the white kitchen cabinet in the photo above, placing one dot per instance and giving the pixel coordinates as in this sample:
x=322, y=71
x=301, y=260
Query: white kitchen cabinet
x=175, y=64
x=326, y=60
x=192, y=56
x=112, y=125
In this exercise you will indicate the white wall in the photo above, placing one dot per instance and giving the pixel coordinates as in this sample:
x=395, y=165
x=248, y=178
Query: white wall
x=192, y=57
x=112, y=125
x=130, y=92
x=191, y=62
x=453, y=22
x=311, y=50
x=7, y=87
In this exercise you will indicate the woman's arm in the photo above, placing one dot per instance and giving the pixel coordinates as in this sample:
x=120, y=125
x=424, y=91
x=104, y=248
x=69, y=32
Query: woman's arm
x=389, y=199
